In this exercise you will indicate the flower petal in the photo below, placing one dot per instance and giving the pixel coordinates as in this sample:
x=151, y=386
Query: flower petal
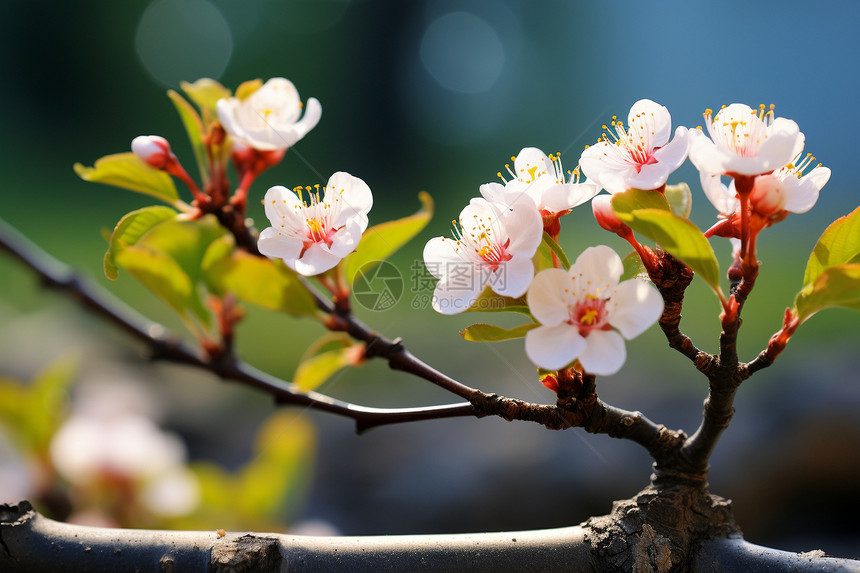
x=549, y=296
x=659, y=118
x=634, y=307
x=554, y=347
x=531, y=163
x=440, y=253
x=523, y=225
x=354, y=192
x=599, y=265
x=317, y=259
x=452, y=297
x=604, y=352
x=802, y=194
x=723, y=198
x=513, y=277
x=281, y=203
x=273, y=244
x=568, y=195
x=784, y=143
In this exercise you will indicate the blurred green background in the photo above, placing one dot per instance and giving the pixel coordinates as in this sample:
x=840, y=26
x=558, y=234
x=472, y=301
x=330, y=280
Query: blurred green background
x=437, y=95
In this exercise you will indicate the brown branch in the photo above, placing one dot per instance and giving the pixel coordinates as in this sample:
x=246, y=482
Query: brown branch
x=583, y=409
x=166, y=346
x=672, y=277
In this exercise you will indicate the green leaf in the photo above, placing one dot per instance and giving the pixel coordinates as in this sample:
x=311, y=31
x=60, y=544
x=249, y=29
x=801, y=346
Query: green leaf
x=492, y=333
x=312, y=372
x=677, y=236
x=489, y=301
x=555, y=248
x=837, y=286
x=680, y=199
x=194, y=128
x=128, y=171
x=633, y=267
x=159, y=273
x=49, y=400
x=205, y=93
x=637, y=199
x=839, y=244
x=245, y=89
x=381, y=241
x=186, y=242
x=130, y=229
x=260, y=281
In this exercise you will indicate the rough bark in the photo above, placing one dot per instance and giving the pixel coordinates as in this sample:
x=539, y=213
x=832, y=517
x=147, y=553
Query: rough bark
x=622, y=541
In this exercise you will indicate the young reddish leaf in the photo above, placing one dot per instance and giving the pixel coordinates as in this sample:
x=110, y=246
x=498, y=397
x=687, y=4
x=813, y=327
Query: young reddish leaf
x=839, y=244
x=491, y=333
x=381, y=241
x=128, y=171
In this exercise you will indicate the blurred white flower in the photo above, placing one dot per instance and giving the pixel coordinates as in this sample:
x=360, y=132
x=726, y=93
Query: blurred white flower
x=268, y=119
x=312, y=238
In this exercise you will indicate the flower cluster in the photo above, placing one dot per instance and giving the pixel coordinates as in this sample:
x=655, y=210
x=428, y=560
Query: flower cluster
x=583, y=314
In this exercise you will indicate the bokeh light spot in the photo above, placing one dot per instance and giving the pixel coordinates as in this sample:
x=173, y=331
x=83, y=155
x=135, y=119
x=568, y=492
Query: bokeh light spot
x=183, y=40
x=463, y=52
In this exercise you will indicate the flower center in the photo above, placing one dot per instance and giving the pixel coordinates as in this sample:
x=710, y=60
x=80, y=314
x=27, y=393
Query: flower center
x=635, y=144
x=589, y=314
x=739, y=133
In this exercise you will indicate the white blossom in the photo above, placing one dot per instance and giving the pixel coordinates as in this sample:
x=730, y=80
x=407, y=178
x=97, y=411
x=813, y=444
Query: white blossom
x=586, y=314
x=313, y=237
x=268, y=119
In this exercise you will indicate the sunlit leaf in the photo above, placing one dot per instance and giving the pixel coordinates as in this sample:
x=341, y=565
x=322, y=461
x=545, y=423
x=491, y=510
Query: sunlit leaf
x=245, y=89
x=837, y=286
x=680, y=199
x=128, y=171
x=492, y=333
x=259, y=281
x=314, y=371
x=159, y=273
x=130, y=229
x=677, y=236
x=839, y=244
x=193, y=127
x=623, y=203
x=489, y=301
x=205, y=94
x=49, y=399
x=329, y=341
x=633, y=267
x=555, y=248
x=186, y=242
x=381, y=241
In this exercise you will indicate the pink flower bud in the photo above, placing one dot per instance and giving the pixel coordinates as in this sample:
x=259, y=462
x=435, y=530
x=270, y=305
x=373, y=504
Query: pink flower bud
x=153, y=149
x=606, y=218
x=768, y=195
